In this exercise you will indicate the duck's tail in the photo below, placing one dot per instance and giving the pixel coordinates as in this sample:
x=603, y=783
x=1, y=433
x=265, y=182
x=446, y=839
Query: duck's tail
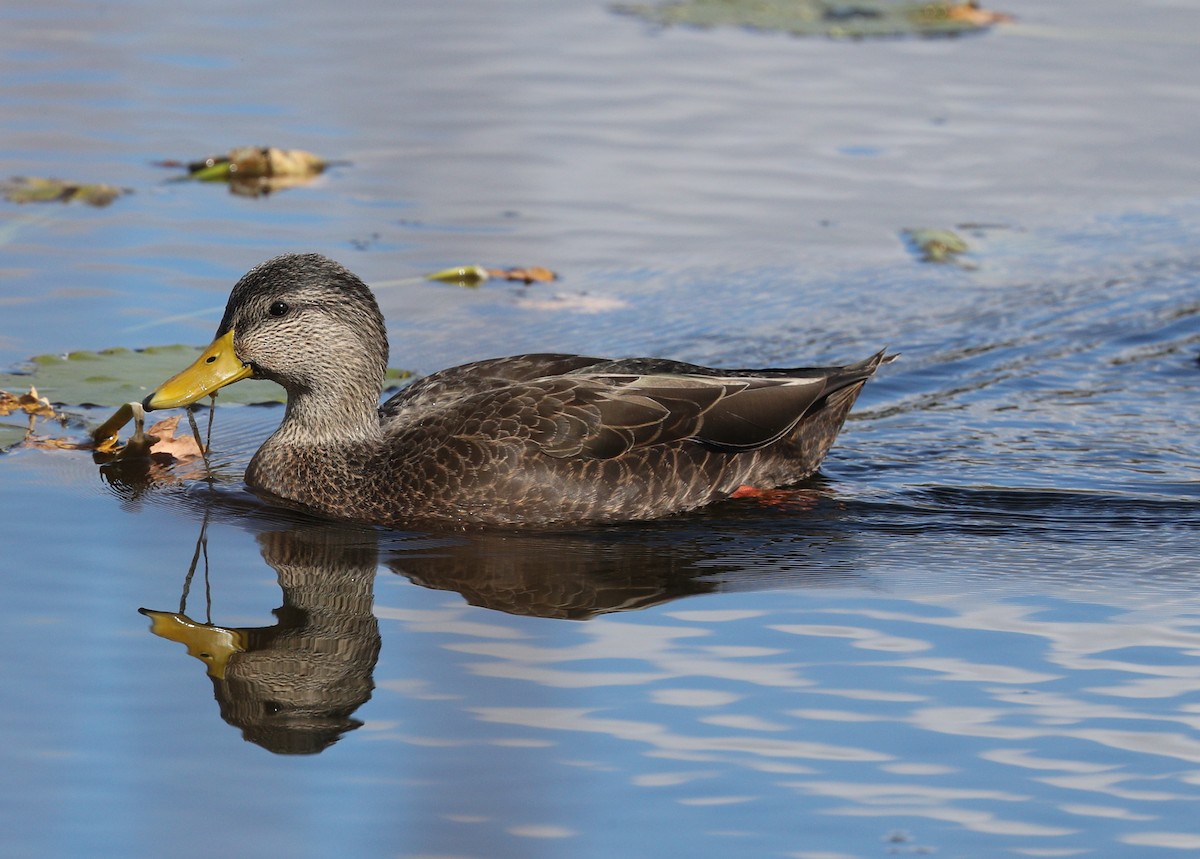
x=814, y=435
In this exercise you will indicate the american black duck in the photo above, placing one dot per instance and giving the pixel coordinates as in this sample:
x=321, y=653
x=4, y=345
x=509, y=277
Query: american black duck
x=528, y=440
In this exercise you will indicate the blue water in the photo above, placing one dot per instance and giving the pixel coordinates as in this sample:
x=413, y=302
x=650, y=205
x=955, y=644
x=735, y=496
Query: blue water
x=974, y=634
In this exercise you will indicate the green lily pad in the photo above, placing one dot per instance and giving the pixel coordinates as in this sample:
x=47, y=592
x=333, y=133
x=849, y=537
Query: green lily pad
x=847, y=19
x=11, y=432
x=112, y=377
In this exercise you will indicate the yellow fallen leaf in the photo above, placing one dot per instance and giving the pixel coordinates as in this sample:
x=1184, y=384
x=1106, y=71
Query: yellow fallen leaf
x=473, y=275
x=465, y=275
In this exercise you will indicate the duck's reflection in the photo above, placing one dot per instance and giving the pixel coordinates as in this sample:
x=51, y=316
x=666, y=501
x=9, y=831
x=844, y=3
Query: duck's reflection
x=564, y=577
x=293, y=687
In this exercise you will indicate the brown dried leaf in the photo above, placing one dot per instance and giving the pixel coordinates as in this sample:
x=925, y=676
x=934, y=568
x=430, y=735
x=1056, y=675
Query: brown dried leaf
x=529, y=274
x=166, y=442
x=253, y=162
x=31, y=403
x=34, y=404
x=255, y=171
x=970, y=13
x=474, y=275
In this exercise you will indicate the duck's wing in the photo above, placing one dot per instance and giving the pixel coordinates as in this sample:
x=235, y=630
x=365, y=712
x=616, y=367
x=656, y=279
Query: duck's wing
x=604, y=416
x=616, y=406
x=585, y=407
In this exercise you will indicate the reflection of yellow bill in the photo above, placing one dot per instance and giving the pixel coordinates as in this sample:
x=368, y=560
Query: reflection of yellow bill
x=217, y=367
x=212, y=645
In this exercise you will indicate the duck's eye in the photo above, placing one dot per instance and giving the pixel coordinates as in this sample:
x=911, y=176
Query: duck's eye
x=279, y=308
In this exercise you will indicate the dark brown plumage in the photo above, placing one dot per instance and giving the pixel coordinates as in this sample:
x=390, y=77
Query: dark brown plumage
x=525, y=440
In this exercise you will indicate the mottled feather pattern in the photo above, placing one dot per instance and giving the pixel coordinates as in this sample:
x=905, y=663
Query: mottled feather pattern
x=538, y=439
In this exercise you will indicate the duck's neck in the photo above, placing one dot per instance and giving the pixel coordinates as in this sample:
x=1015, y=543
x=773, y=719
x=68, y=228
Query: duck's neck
x=307, y=460
x=330, y=416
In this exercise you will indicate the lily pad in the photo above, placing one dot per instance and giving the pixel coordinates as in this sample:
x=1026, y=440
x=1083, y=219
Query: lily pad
x=112, y=377
x=846, y=19
x=12, y=432
x=35, y=189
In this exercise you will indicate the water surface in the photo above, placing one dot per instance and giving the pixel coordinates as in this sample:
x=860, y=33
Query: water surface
x=975, y=633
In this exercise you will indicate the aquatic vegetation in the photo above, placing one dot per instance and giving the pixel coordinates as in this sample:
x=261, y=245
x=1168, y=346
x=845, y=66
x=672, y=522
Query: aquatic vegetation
x=113, y=378
x=30, y=406
x=857, y=19
x=37, y=189
x=935, y=245
x=474, y=275
x=110, y=377
x=255, y=171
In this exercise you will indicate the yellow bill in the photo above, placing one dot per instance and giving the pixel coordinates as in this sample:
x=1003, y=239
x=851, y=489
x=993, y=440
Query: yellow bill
x=212, y=645
x=217, y=367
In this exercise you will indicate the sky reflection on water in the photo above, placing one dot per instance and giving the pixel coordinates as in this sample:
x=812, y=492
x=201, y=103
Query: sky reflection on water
x=835, y=678
x=976, y=633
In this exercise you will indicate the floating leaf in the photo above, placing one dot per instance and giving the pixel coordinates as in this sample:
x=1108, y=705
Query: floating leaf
x=474, y=275
x=111, y=377
x=936, y=245
x=166, y=443
x=855, y=19
x=119, y=378
x=530, y=274
x=12, y=433
x=255, y=170
x=30, y=406
x=31, y=403
x=463, y=275
x=393, y=377
x=35, y=189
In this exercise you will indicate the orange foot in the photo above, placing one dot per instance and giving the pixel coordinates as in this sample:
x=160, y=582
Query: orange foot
x=777, y=497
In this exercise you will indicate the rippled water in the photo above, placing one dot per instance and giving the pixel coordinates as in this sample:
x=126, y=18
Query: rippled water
x=974, y=634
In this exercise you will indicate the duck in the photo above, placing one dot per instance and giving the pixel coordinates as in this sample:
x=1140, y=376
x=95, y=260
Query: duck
x=525, y=441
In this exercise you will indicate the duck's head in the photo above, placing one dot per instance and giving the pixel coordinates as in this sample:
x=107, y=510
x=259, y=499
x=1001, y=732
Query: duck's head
x=301, y=320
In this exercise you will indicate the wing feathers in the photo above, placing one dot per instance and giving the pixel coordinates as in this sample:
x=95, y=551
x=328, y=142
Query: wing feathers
x=602, y=415
x=758, y=415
